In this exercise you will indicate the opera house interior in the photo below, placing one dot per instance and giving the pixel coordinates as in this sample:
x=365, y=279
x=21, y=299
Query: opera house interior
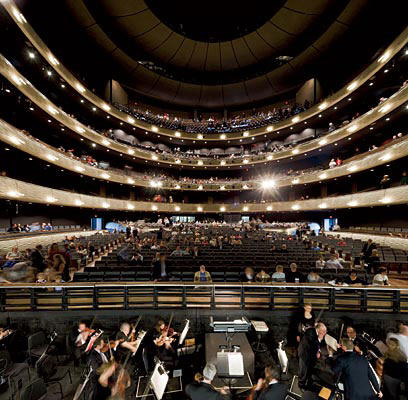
x=203, y=200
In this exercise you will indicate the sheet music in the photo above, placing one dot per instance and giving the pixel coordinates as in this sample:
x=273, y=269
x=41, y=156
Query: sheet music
x=235, y=364
x=260, y=326
x=159, y=382
x=331, y=342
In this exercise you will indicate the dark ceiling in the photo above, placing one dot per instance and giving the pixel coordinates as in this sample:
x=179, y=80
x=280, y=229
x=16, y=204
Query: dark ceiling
x=215, y=54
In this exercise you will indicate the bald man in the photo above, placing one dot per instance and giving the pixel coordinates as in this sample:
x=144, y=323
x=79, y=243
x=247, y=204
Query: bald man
x=309, y=352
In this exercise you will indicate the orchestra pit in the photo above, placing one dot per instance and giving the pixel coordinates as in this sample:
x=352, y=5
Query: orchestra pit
x=203, y=200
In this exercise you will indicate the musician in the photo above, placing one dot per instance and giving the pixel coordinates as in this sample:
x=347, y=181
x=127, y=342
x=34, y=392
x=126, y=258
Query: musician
x=81, y=341
x=96, y=359
x=305, y=320
x=359, y=345
x=309, y=352
x=164, y=338
x=357, y=375
x=126, y=338
x=270, y=388
x=202, y=389
x=4, y=332
x=115, y=379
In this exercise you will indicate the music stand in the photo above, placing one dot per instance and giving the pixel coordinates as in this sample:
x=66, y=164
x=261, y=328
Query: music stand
x=157, y=384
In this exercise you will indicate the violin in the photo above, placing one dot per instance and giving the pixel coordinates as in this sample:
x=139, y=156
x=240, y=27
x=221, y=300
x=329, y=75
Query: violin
x=112, y=344
x=251, y=395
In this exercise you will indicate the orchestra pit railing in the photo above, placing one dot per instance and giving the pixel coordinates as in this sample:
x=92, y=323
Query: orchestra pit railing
x=176, y=295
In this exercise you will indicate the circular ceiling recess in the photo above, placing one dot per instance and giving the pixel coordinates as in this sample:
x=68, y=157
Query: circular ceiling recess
x=210, y=54
x=213, y=21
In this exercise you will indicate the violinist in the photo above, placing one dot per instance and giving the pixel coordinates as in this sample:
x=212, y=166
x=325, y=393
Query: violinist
x=126, y=338
x=269, y=388
x=96, y=359
x=202, y=389
x=81, y=341
x=164, y=340
x=164, y=336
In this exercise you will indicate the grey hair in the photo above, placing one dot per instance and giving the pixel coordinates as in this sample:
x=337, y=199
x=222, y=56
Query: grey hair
x=209, y=371
x=123, y=325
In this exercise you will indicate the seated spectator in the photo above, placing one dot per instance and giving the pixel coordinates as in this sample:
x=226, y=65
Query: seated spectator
x=333, y=263
x=320, y=263
x=202, y=275
x=332, y=163
x=13, y=254
x=279, y=275
x=178, y=252
x=262, y=276
x=249, y=275
x=315, y=246
x=353, y=279
x=314, y=277
x=381, y=279
x=294, y=276
x=385, y=182
x=195, y=252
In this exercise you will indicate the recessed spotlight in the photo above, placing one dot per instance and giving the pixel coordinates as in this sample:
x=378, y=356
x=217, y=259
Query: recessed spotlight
x=49, y=73
x=31, y=55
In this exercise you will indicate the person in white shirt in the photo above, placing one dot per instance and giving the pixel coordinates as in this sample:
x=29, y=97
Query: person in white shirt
x=332, y=163
x=381, y=279
x=402, y=338
x=333, y=263
x=279, y=275
x=320, y=263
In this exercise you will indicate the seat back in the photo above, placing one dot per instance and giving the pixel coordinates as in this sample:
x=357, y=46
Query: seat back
x=34, y=391
x=36, y=339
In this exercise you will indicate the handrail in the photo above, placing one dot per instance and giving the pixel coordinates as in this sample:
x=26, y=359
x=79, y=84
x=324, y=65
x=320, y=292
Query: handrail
x=172, y=284
x=349, y=88
x=25, y=86
x=148, y=295
x=28, y=192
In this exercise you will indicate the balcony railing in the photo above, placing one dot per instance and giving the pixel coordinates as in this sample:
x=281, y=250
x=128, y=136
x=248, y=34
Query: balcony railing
x=149, y=295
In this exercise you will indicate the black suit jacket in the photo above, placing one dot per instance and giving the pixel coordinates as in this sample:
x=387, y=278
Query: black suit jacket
x=309, y=346
x=357, y=376
x=368, y=249
x=276, y=391
x=95, y=360
x=204, y=391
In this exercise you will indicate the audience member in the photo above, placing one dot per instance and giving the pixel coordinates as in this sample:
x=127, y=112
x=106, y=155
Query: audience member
x=279, y=275
x=381, y=278
x=202, y=275
x=262, y=276
x=294, y=276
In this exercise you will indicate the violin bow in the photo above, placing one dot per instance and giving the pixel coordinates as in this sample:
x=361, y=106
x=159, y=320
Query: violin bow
x=320, y=314
x=341, y=332
x=134, y=326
